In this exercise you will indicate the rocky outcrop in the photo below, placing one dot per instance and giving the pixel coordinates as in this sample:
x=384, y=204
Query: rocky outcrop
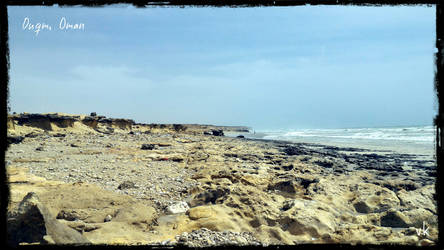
x=45, y=121
x=124, y=124
x=191, y=128
x=277, y=192
x=91, y=121
x=104, y=125
x=393, y=218
x=32, y=222
x=50, y=122
x=14, y=139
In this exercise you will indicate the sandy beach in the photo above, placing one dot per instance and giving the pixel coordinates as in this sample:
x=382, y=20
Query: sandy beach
x=98, y=180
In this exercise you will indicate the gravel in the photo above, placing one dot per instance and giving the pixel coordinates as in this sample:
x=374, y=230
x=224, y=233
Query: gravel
x=95, y=161
x=204, y=237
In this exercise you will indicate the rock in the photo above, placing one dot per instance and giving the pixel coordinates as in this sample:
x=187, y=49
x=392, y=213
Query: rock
x=179, y=127
x=324, y=163
x=396, y=185
x=288, y=204
x=289, y=167
x=81, y=226
x=420, y=198
x=293, y=150
x=148, y=146
x=374, y=199
x=14, y=139
x=108, y=218
x=217, y=132
x=126, y=185
x=93, y=114
x=106, y=131
x=45, y=121
x=200, y=212
x=135, y=214
x=210, y=196
x=362, y=207
x=419, y=216
x=39, y=149
x=179, y=207
x=308, y=217
x=240, y=136
x=286, y=186
x=31, y=135
x=303, y=181
x=426, y=242
x=393, y=218
x=207, y=133
x=409, y=231
x=72, y=215
x=74, y=145
x=32, y=222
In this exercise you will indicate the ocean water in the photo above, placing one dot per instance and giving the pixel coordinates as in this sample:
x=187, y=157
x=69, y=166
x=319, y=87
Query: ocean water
x=411, y=140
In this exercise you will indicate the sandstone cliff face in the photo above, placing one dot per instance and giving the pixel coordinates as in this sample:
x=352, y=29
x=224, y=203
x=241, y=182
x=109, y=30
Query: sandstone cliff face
x=45, y=121
x=102, y=124
x=56, y=122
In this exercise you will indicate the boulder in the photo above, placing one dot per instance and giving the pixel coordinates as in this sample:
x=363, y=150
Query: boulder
x=362, y=207
x=217, y=132
x=393, y=218
x=306, y=217
x=374, y=199
x=420, y=198
x=32, y=223
x=177, y=208
x=419, y=216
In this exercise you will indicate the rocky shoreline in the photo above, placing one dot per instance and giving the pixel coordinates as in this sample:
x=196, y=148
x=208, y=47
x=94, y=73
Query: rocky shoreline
x=117, y=182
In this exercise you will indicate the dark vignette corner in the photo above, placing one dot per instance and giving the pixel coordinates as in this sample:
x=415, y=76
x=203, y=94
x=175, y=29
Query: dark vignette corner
x=439, y=72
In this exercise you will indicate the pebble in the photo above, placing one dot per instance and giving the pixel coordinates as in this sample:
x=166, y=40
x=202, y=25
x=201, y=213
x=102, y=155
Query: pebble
x=204, y=237
x=108, y=218
x=105, y=168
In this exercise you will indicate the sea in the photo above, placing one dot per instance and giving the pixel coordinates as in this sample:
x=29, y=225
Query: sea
x=418, y=140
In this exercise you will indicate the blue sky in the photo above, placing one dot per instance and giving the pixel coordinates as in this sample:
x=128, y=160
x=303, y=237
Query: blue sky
x=269, y=68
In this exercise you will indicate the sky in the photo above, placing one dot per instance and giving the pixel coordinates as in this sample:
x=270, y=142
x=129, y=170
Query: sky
x=267, y=67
